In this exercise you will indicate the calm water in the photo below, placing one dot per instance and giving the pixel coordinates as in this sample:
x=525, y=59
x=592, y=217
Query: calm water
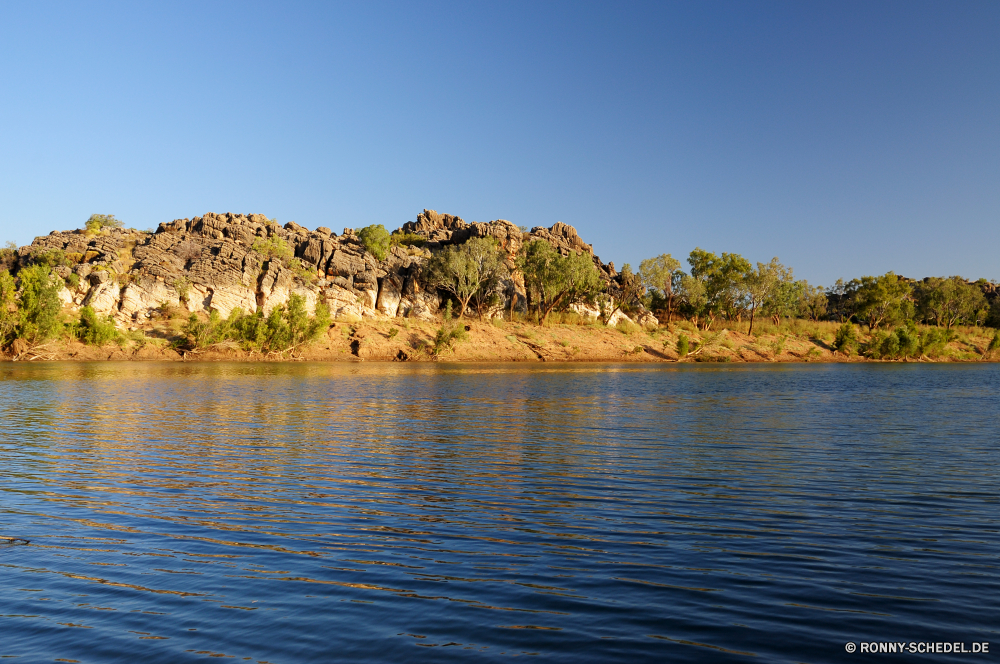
x=577, y=513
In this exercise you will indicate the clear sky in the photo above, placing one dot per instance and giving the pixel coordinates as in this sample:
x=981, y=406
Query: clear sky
x=846, y=138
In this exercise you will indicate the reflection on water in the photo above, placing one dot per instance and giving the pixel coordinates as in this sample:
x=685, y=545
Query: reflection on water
x=314, y=513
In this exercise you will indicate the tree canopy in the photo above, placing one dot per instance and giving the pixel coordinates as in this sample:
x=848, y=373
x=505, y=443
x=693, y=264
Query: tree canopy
x=475, y=268
x=662, y=273
x=555, y=280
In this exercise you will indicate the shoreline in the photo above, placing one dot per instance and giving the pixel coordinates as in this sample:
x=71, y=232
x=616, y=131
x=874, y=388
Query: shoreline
x=414, y=341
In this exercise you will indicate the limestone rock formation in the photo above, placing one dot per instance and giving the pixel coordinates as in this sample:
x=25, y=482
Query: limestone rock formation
x=229, y=261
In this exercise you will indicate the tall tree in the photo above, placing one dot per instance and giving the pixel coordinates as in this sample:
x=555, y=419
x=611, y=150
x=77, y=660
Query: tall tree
x=949, y=301
x=491, y=265
x=723, y=278
x=467, y=269
x=555, y=280
x=662, y=273
x=841, y=299
x=39, y=305
x=692, y=298
x=883, y=300
x=812, y=301
x=768, y=285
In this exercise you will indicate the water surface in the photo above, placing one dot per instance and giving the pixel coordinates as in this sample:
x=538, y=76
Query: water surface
x=574, y=513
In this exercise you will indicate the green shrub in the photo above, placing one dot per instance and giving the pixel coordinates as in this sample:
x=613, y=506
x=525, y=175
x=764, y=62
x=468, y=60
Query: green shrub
x=898, y=344
x=273, y=247
x=183, y=287
x=994, y=345
x=303, y=270
x=888, y=346
x=447, y=336
x=98, y=222
x=73, y=281
x=846, y=340
x=8, y=311
x=627, y=327
x=39, y=306
x=778, y=345
x=203, y=333
x=393, y=332
x=933, y=342
x=376, y=240
x=909, y=341
x=51, y=258
x=407, y=239
x=95, y=330
x=285, y=328
x=682, y=344
x=321, y=321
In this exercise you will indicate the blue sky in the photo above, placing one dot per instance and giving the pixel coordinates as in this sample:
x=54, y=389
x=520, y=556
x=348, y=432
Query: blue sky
x=845, y=138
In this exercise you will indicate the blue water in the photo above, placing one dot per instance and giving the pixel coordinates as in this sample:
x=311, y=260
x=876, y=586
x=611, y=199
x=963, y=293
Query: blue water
x=575, y=513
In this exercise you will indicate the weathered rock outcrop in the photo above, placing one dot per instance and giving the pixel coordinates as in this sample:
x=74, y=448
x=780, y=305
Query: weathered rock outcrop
x=220, y=261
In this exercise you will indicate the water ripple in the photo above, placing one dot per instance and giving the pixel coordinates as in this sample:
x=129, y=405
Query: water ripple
x=316, y=513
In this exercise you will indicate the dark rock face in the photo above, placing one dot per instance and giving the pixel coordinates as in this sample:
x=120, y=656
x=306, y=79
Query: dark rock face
x=219, y=261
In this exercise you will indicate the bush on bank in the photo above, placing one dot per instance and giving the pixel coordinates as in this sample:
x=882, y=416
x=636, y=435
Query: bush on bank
x=287, y=327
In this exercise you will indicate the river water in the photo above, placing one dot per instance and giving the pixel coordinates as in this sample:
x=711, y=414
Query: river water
x=292, y=513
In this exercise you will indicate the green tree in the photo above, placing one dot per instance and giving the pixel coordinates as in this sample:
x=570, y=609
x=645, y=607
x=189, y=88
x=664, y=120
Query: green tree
x=786, y=300
x=993, y=316
x=724, y=281
x=8, y=308
x=909, y=340
x=39, y=306
x=490, y=263
x=467, y=270
x=841, y=299
x=883, y=300
x=691, y=297
x=98, y=222
x=664, y=274
x=8, y=256
x=201, y=333
x=376, y=240
x=553, y=280
x=770, y=287
x=95, y=330
x=812, y=301
x=949, y=301
x=846, y=340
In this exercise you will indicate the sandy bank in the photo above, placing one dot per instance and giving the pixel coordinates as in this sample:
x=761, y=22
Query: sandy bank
x=413, y=341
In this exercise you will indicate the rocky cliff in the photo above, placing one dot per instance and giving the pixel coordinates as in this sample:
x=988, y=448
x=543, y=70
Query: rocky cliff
x=210, y=262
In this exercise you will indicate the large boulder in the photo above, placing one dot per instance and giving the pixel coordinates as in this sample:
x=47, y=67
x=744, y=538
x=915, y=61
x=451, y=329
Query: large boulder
x=389, y=293
x=141, y=298
x=103, y=297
